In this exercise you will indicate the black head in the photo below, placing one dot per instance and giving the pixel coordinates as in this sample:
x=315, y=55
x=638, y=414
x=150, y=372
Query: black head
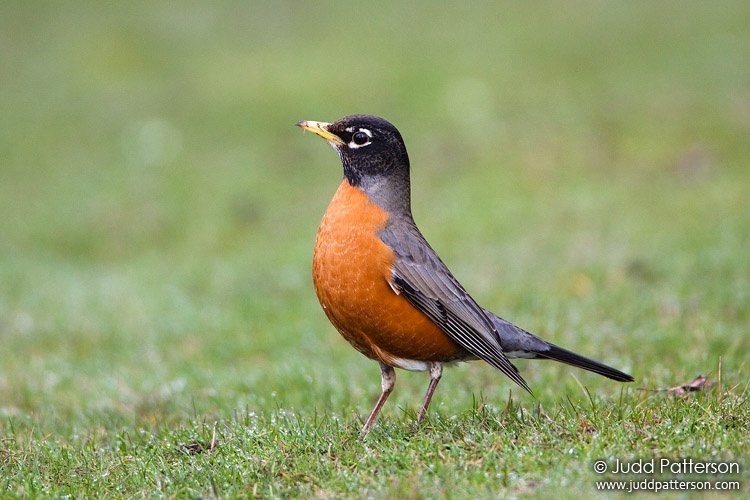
x=372, y=152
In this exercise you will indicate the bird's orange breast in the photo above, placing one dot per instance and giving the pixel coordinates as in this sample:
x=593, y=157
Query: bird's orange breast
x=352, y=271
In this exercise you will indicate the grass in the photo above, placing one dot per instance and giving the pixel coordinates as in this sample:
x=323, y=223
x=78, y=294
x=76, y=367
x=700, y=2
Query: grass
x=479, y=452
x=584, y=174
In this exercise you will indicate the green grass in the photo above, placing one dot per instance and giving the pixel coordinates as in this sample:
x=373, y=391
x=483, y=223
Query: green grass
x=583, y=170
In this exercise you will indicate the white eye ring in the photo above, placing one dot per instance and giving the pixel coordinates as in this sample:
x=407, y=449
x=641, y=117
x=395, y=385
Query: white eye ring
x=360, y=138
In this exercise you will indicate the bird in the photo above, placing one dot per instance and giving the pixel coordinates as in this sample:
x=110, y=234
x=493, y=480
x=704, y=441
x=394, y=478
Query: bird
x=384, y=288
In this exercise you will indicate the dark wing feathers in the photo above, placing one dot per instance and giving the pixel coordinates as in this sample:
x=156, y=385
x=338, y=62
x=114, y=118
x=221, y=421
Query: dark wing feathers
x=423, y=279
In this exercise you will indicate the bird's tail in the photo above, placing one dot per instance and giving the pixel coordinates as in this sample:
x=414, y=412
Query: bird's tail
x=518, y=343
x=573, y=359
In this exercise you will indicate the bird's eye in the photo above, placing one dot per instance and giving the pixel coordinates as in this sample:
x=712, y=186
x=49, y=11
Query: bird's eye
x=360, y=138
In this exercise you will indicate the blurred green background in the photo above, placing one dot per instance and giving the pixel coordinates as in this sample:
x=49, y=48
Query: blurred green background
x=582, y=167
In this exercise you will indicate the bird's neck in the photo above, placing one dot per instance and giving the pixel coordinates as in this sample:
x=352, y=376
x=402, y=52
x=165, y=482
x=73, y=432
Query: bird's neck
x=391, y=193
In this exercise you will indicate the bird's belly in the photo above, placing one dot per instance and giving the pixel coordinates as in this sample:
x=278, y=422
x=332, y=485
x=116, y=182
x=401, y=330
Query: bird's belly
x=352, y=270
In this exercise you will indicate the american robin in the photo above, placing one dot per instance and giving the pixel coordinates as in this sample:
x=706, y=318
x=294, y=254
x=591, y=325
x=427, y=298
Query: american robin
x=385, y=289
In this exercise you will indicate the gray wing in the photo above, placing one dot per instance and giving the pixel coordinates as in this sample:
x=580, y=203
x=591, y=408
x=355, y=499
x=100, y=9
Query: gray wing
x=422, y=278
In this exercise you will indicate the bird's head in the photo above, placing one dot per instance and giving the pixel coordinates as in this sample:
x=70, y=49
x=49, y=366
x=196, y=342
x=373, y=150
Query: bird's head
x=371, y=150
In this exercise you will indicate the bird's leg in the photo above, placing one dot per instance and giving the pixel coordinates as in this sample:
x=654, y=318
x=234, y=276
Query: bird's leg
x=436, y=371
x=388, y=376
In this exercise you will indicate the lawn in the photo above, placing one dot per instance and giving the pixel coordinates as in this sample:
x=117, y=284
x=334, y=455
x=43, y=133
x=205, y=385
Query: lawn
x=583, y=169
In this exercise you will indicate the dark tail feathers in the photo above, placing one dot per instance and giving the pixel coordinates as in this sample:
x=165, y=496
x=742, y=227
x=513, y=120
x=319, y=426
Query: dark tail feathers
x=573, y=359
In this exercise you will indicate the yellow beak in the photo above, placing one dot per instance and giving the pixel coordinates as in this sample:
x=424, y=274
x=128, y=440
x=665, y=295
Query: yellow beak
x=321, y=129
